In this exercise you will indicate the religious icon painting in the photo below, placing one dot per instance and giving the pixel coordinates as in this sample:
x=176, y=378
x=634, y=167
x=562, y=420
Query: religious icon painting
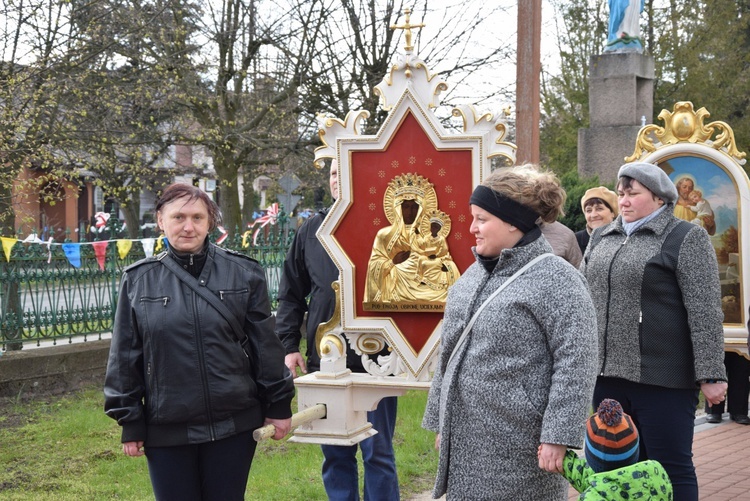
x=713, y=189
x=410, y=267
x=708, y=197
x=400, y=231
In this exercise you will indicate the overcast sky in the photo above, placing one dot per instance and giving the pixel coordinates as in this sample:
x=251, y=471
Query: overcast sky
x=500, y=29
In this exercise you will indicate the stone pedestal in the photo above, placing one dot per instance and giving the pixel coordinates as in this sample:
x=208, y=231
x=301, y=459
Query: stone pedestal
x=621, y=92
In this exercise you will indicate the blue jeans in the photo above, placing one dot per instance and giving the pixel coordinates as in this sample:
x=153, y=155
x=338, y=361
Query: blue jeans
x=340, y=476
x=665, y=418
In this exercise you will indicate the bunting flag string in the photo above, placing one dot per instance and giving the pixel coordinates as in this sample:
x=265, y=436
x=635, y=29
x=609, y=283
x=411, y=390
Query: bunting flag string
x=124, y=245
x=160, y=243
x=73, y=250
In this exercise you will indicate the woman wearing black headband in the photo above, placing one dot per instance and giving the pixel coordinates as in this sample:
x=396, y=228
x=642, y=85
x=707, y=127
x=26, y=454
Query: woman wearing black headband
x=522, y=375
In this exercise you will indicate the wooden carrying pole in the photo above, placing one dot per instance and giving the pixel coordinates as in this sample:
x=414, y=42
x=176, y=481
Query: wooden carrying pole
x=303, y=417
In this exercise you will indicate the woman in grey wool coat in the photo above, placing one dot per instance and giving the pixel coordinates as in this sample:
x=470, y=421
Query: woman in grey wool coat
x=655, y=284
x=524, y=373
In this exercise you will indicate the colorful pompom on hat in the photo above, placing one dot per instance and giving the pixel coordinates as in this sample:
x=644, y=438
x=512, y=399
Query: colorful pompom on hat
x=611, y=438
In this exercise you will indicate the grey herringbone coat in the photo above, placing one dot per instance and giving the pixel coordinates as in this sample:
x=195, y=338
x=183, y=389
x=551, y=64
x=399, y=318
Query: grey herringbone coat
x=659, y=316
x=524, y=376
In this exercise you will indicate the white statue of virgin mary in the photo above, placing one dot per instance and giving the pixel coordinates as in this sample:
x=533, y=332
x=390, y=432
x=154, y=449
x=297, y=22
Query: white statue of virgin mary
x=624, y=27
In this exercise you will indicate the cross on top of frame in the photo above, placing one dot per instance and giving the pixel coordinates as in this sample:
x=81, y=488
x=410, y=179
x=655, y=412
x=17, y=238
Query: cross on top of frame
x=407, y=27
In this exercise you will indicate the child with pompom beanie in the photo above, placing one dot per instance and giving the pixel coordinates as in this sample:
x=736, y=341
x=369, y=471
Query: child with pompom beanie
x=611, y=470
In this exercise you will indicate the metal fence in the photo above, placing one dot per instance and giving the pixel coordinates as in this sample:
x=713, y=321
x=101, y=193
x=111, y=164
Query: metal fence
x=43, y=297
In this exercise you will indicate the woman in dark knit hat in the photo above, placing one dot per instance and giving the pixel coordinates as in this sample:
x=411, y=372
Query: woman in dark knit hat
x=523, y=373
x=654, y=280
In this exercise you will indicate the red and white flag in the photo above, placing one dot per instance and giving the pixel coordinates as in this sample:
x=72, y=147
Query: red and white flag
x=271, y=215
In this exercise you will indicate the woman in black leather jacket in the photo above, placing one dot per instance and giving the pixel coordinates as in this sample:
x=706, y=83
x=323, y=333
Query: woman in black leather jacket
x=178, y=380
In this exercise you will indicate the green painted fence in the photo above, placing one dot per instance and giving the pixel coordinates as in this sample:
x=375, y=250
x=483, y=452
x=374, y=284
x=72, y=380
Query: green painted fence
x=43, y=297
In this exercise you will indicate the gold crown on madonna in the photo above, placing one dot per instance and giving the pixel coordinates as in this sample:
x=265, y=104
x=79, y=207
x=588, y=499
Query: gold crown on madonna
x=409, y=187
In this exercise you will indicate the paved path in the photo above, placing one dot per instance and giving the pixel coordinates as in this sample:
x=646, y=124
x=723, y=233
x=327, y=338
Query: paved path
x=722, y=459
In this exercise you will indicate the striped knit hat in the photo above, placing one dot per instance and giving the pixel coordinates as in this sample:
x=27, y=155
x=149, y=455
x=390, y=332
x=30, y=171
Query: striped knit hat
x=611, y=438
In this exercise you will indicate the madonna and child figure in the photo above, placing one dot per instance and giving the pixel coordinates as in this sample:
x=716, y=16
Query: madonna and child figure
x=410, y=262
x=691, y=206
x=435, y=267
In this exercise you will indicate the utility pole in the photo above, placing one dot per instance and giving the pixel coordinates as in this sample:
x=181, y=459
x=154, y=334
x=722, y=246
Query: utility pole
x=528, y=71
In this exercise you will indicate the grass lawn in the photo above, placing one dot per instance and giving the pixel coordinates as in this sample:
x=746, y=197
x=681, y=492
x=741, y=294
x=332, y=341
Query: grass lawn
x=65, y=448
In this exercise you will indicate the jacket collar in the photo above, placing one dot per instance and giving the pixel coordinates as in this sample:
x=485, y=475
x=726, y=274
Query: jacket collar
x=192, y=262
x=656, y=226
x=512, y=260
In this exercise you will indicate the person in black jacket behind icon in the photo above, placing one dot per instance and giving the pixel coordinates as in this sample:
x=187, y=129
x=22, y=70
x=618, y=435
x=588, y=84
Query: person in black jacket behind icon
x=178, y=380
x=308, y=270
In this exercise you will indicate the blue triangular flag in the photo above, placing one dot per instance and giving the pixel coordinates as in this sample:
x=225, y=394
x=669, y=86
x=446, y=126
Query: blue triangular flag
x=73, y=253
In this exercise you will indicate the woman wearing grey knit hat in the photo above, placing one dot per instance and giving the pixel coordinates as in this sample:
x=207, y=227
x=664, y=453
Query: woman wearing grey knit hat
x=655, y=284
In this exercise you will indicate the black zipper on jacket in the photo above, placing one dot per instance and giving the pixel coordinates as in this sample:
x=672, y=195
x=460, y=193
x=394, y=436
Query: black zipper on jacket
x=609, y=296
x=238, y=291
x=202, y=366
x=150, y=376
x=163, y=299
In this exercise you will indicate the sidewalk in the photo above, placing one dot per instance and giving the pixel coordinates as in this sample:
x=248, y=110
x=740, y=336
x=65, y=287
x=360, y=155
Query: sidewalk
x=721, y=453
